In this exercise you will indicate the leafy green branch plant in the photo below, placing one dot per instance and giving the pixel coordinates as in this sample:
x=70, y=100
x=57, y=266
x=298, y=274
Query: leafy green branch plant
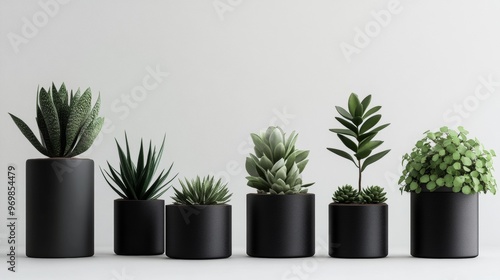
x=276, y=166
x=68, y=124
x=136, y=181
x=448, y=159
x=204, y=191
x=359, y=130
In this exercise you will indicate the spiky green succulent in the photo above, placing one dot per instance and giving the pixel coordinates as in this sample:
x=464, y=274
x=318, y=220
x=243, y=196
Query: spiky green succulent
x=276, y=166
x=204, y=191
x=373, y=195
x=346, y=194
x=68, y=125
x=136, y=181
x=370, y=195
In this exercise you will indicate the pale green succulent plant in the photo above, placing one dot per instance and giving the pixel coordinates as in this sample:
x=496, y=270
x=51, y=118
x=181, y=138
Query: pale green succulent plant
x=276, y=166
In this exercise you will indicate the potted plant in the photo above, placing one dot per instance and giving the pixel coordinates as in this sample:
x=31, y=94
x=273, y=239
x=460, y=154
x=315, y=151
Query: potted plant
x=198, y=224
x=60, y=188
x=280, y=216
x=358, y=218
x=444, y=173
x=138, y=214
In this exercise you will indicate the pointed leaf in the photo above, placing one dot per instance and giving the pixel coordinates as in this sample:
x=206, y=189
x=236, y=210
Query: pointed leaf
x=353, y=104
x=348, y=143
x=369, y=123
x=342, y=154
x=373, y=159
x=28, y=133
x=343, y=112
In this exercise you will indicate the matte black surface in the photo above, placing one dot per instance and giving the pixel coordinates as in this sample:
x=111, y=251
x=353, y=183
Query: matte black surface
x=280, y=226
x=198, y=232
x=358, y=230
x=444, y=225
x=139, y=227
x=59, y=208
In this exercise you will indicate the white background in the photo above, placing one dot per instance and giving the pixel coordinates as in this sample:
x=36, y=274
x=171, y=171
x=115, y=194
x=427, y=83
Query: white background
x=236, y=66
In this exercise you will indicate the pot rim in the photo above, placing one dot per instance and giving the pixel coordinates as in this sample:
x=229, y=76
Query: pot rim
x=199, y=205
x=359, y=204
x=137, y=200
x=280, y=195
x=58, y=158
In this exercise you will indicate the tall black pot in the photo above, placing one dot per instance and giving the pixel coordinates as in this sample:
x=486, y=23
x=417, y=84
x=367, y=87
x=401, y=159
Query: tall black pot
x=198, y=232
x=358, y=230
x=59, y=208
x=280, y=226
x=444, y=225
x=139, y=227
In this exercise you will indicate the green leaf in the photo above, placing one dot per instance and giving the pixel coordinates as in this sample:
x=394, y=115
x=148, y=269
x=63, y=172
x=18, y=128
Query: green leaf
x=343, y=112
x=88, y=137
x=369, y=123
x=343, y=131
x=78, y=114
x=466, y=161
x=425, y=179
x=369, y=146
x=51, y=119
x=348, y=125
x=379, y=128
x=28, y=133
x=374, y=158
x=353, y=104
x=348, y=143
x=342, y=154
x=372, y=111
x=366, y=102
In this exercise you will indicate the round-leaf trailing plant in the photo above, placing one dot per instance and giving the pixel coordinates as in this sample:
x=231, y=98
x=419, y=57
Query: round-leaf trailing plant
x=360, y=129
x=136, y=181
x=276, y=166
x=68, y=124
x=204, y=191
x=448, y=159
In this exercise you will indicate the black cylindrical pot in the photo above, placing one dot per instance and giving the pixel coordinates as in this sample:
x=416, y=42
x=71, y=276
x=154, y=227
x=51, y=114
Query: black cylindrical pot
x=444, y=225
x=139, y=227
x=198, y=231
x=59, y=208
x=358, y=230
x=280, y=226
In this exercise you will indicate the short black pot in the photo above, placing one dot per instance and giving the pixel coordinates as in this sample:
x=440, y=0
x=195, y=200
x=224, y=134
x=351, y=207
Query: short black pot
x=139, y=227
x=280, y=226
x=59, y=208
x=198, y=232
x=444, y=225
x=358, y=230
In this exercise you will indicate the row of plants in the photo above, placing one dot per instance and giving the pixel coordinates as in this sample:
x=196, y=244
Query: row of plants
x=444, y=173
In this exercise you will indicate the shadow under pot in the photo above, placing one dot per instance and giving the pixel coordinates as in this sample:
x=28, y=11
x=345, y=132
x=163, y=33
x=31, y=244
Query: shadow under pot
x=358, y=230
x=280, y=226
x=444, y=224
x=139, y=227
x=198, y=231
x=59, y=208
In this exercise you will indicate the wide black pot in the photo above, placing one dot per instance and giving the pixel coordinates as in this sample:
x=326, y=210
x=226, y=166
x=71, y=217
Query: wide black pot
x=139, y=227
x=198, y=232
x=358, y=230
x=444, y=225
x=280, y=226
x=59, y=208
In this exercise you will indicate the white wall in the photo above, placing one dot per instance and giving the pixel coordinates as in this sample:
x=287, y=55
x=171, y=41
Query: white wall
x=230, y=70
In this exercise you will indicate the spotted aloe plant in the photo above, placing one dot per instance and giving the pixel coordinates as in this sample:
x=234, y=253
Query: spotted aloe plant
x=68, y=124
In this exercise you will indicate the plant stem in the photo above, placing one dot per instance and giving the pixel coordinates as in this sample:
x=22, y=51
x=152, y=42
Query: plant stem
x=359, y=171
